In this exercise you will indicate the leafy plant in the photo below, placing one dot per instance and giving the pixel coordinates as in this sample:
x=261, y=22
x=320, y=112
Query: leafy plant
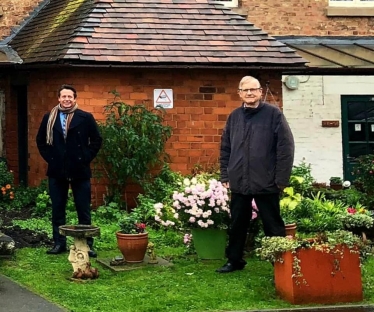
x=336, y=180
x=6, y=176
x=288, y=204
x=317, y=214
x=6, y=184
x=133, y=142
x=364, y=177
x=108, y=212
x=357, y=217
x=43, y=203
x=301, y=177
x=130, y=223
x=273, y=248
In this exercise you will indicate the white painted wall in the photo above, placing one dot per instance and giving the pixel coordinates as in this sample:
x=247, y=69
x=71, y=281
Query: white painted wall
x=319, y=98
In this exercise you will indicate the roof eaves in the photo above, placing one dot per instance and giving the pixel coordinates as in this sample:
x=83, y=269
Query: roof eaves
x=87, y=63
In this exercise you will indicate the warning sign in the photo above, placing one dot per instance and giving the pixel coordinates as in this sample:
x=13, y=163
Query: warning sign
x=163, y=97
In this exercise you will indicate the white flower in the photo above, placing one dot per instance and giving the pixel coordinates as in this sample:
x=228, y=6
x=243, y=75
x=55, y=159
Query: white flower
x=187, y=182
x=158, y=206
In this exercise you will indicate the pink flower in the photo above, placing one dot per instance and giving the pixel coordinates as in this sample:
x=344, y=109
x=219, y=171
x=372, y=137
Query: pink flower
x=254, y=206
x=351, y=210
x=254, y=210
x=187, y=239
x=254, y=214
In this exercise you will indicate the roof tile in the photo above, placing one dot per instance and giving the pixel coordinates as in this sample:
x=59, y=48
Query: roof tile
x=152, y=31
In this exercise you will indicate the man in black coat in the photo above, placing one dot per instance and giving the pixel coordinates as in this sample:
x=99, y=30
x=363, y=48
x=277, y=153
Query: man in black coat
x=68, y=139
x=257, y=151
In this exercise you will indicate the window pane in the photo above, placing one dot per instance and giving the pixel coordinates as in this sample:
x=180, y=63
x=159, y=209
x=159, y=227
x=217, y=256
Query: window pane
x=356, y=111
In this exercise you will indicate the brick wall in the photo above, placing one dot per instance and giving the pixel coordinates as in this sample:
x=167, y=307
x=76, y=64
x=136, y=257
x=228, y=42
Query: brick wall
x=13, y=13
x=202, y=101
x=304, y=17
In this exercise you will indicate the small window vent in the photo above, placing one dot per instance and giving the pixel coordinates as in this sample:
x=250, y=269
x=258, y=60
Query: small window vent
x=228, y=3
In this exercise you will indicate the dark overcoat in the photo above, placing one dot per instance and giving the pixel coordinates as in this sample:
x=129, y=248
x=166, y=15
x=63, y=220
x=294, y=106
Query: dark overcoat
x=257, y=150
x=70, y=158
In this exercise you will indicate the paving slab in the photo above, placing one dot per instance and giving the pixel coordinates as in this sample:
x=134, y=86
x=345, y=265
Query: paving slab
x=121, y=265
x=15, y=298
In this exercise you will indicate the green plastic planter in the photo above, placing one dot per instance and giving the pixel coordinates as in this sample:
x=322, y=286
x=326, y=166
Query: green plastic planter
x=209, y=243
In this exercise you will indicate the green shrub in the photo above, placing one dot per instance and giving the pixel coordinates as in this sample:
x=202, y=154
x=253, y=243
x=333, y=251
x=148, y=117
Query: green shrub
x=133, y=143
x=364, y=173
x=6, y=176
x=304, y=171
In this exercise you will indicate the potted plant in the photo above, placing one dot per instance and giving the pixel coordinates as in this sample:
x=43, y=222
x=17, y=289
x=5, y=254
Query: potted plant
x=323, y=269
x=201, y=205
x=336, y=183
x=288, y=204
x=132, y=238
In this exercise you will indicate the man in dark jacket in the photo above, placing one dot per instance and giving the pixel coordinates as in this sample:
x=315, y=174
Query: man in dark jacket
x=257, y=151
x=68, y=139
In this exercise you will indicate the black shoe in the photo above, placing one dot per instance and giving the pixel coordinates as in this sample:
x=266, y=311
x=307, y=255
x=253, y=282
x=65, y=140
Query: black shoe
x=229, y=267
x=57, y=249
x=92, y=254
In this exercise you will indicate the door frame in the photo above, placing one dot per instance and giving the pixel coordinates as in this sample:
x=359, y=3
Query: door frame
x=345, y=139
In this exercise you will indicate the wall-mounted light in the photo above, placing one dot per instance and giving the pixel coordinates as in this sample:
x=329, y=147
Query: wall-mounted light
x=292, y=82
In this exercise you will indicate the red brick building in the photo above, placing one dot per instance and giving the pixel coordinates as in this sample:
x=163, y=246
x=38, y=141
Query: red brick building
x=198, y=49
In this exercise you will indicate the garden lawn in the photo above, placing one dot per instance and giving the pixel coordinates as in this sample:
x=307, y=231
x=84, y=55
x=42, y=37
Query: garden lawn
x=188, y=285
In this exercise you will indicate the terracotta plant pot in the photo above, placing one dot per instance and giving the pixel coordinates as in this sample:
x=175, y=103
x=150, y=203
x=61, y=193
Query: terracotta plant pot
x=321, y=278
x=336, y=187
x=291, y=229
x=132, y=246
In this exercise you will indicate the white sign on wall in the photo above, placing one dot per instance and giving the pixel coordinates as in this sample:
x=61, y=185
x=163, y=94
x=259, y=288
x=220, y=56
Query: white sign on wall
x=163, y=97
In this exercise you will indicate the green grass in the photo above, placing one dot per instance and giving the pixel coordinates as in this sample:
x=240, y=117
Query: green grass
x=188, y=285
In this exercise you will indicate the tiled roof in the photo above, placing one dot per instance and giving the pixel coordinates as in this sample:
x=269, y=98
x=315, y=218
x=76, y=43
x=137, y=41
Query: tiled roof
x=147, y=32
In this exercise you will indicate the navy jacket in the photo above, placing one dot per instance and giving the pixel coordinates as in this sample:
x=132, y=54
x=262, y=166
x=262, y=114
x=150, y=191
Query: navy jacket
x=257, y=150
x=70, y=159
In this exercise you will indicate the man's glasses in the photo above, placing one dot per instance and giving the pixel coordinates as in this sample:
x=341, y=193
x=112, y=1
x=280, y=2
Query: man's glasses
x=252, y=90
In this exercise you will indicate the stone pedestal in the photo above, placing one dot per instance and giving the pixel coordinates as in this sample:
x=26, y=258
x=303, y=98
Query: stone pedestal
x=78, y=256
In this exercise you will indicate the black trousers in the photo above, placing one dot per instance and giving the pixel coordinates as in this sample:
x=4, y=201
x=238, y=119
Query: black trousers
x=58, y=190
x=241, y=214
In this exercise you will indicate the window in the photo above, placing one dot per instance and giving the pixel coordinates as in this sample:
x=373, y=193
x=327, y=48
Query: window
x=229, y=3
x=351, y=3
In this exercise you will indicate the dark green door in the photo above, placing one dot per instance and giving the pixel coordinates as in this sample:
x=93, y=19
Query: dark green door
x=358, y=130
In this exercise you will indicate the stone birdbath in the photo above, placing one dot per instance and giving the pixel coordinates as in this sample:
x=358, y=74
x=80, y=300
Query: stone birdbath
x=78, y=256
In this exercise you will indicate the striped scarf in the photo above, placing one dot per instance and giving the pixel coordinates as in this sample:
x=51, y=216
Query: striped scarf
x=52, y=118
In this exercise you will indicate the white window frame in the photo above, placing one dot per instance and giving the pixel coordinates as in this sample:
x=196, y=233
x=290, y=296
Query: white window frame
x=227, y=3
x=351, y=4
